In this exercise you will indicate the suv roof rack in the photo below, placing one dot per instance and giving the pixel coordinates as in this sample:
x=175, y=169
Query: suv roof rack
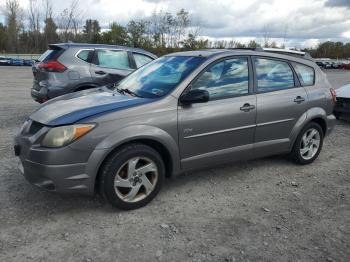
x=258, y=48
x=302, y=54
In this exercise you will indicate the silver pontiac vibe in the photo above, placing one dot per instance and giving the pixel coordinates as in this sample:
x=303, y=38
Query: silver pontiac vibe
x=180, y=112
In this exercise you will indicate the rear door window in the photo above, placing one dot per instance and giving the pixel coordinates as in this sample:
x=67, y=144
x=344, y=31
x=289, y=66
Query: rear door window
x=141, y=60
x=273, y=75
x=116, y=59
x=306, y=74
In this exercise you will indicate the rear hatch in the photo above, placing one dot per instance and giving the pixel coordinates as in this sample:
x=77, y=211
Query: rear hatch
x=40, y=72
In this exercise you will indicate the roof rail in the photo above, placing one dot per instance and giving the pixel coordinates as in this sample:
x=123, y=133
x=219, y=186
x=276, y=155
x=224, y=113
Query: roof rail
x=302, y=54
x=258, y=48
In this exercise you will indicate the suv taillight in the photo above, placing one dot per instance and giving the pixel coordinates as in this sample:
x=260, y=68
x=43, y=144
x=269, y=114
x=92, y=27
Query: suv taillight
x=52, y=66
x=334, y=95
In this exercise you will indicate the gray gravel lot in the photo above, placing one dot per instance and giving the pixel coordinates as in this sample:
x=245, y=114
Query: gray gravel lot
x=261, y=210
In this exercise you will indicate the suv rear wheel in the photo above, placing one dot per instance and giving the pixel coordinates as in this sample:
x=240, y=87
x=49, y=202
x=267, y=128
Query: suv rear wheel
x=308, y=144
x=132, y=176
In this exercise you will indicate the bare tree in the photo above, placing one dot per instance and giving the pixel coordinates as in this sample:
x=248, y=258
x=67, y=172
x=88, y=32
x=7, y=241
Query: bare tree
x=34, y=24
x=285, y=36
x=266, y=37
x=34, y=16
x=49, y=34
x=47, y=9
x=69, y=21
x=183, y=22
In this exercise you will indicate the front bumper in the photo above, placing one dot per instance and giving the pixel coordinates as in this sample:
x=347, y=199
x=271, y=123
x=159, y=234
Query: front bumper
x=62, y=170
x=69, y=178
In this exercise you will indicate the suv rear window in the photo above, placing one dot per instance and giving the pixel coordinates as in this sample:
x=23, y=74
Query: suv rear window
x=50, y=54
x=306, y=74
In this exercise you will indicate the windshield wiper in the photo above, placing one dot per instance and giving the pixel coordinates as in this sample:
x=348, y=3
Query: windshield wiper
x=124, y=90
x=128, y=91
x=118, y=90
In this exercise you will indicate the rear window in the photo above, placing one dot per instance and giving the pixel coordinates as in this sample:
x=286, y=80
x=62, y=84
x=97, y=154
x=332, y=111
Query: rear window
x=306, y=74
x=50, y=54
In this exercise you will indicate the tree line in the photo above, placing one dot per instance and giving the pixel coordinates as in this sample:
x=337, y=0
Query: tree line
x=31, y=30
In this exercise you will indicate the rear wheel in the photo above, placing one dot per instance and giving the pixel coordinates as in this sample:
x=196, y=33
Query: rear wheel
x=308, y=144
x=132, y=176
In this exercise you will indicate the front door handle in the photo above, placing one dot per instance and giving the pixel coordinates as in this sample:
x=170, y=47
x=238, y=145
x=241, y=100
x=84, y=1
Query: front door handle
x=299, y=99
x=100, y=72
x=247, y=107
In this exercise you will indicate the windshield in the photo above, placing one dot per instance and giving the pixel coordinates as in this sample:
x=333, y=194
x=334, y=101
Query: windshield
x=161, y=76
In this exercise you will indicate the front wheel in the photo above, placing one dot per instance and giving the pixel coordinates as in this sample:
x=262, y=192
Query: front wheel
x=132, y=176
x=308, y=144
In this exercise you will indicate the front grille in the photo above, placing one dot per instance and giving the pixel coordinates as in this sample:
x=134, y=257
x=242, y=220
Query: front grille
x=35, y=127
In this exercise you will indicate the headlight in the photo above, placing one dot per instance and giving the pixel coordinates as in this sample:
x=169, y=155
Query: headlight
x=63, y=135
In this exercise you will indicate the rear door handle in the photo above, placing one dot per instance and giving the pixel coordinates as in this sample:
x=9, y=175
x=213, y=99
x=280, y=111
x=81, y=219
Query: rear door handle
x=247, y=107
x=100, y=72
x=299, y=99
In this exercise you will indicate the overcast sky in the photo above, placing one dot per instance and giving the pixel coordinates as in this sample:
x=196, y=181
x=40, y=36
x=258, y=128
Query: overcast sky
x=304, y=22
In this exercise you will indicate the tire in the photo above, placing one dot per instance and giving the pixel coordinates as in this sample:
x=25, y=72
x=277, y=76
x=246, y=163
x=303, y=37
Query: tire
x=297, y=154
x=138, y=170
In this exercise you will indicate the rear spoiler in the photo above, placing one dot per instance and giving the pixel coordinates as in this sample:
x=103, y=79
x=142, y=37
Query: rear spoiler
x=58, y=46
x=296, y=53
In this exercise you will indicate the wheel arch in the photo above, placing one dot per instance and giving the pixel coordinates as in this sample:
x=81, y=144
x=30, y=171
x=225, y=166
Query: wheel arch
x=153, y=137
x=317, y=115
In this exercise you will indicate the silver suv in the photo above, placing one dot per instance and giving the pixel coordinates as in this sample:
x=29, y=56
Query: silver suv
x=71, y=67
x=180, y=112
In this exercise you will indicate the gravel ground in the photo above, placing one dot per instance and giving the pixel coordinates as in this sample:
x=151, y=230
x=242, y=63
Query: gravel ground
x=261, y=210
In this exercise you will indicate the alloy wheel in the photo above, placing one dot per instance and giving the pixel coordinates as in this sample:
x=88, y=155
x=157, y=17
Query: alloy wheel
x=136, y=179
x=310, y=143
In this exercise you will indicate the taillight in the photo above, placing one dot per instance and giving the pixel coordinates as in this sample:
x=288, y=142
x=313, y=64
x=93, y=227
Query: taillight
x=52, y=66
x=334, y=95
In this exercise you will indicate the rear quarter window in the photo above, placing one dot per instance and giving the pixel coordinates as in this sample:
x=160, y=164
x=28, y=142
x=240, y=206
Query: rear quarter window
x=141, y=60
x=306, y=74
x=85, y=55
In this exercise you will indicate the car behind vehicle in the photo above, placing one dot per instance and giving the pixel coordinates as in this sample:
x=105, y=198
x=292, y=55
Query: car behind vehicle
x=180, y=112
x=342, y=107
x=4, y=61
x=71, y=67
x=346, y=66
x=16, y=62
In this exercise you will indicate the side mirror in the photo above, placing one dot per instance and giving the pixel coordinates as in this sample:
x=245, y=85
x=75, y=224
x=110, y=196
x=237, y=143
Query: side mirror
x=195, y=96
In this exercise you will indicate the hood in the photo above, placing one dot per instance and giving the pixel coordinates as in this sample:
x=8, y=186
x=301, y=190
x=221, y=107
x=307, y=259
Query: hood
x=73, y=107
x=343, y=91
